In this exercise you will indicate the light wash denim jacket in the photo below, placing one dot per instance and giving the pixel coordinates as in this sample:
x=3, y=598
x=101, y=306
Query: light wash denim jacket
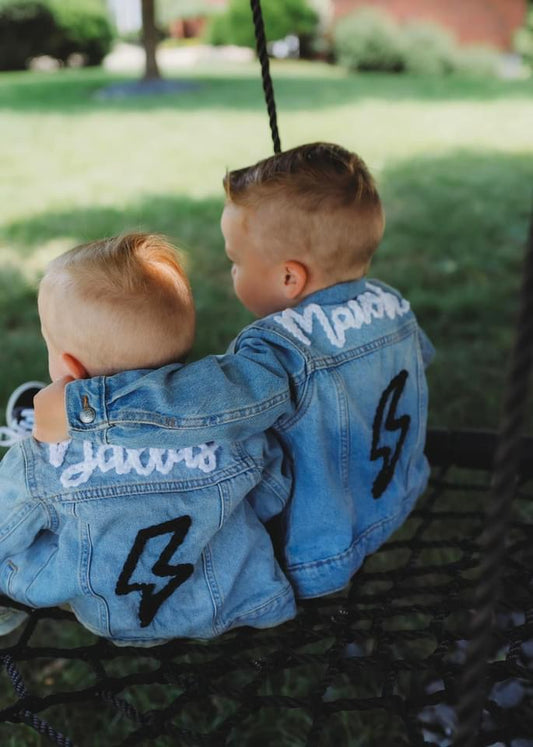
x=340, y=378
x=145, y=545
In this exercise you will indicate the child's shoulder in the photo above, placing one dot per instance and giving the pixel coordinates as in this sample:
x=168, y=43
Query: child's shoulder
x=30, y=463
x=13, y=466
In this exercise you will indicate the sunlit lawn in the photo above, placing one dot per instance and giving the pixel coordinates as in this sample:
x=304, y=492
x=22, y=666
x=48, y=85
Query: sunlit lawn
x=454, y=160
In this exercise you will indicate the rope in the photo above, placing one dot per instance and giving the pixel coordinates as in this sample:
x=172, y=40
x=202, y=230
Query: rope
x=36, y=723
x=473, y=684
x=268, y=88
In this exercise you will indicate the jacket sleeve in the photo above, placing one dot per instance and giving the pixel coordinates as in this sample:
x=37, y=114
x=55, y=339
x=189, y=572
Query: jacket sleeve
x=21, y=516
x=219, y=398
x=426, y=347
x=270, y=495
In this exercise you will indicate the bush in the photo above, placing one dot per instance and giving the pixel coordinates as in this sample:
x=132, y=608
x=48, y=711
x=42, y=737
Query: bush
x=59, y=28
x=173, y=10
x=428, y=49
x=523, y=39
x=24, y=27
x=218, y=30
x=369, y=40
x=235, y=25
x=83, y=27
x=477, y=61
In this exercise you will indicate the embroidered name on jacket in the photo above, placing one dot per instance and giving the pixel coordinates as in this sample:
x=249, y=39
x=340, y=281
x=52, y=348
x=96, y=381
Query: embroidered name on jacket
x=374, y=303
x=122, y=461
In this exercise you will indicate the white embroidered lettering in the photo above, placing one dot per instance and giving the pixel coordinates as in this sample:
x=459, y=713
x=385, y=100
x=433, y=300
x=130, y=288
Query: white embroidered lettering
x=141, y=461
x=79, y=473
x=292, y=321
x=56, y=453
x=374, y=303
x=358, y=315
x=343, y=319
x=392, y=305
x=295, y=322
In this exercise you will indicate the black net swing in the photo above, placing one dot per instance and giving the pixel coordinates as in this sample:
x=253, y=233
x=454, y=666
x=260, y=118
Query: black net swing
x=431, y=644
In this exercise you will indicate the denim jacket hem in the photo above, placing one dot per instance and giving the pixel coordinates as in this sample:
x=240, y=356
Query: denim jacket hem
x=332, y=574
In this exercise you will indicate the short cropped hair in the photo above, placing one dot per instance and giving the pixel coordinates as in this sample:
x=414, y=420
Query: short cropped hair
x=319, y=201
x=120, y=303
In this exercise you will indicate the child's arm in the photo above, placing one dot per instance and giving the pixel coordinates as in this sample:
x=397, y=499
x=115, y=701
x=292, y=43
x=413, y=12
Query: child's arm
x=50, y=416
x=228, y=397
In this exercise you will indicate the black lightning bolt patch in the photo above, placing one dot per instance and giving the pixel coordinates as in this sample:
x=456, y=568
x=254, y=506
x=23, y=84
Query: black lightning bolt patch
x=387, y=410
x=151, y=601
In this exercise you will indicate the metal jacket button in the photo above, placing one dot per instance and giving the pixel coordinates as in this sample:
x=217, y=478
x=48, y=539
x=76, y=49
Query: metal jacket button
x=87, y=415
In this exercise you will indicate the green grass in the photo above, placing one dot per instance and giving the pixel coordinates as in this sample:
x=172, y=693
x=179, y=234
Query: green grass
x=453, y=158
x=454, y=161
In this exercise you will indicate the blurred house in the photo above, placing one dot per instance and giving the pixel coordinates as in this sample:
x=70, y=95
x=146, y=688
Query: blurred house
x=491, y=22
x=191, y=25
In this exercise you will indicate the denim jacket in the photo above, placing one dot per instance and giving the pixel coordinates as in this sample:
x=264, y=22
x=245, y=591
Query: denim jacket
x=340, y=378
x=148, y=544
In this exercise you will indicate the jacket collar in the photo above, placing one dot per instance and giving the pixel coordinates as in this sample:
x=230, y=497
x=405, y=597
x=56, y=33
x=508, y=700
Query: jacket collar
x=336, y=293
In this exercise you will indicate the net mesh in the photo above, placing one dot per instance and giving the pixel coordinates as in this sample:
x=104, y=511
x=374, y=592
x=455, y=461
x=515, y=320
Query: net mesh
x=377, y=664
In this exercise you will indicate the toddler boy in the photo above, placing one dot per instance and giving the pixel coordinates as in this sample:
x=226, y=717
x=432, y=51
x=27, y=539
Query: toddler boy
x=335, y=365
x=144, y=544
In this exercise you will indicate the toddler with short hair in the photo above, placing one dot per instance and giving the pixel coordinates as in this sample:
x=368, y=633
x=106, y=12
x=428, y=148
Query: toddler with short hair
x=334, y=366
x=143, y=544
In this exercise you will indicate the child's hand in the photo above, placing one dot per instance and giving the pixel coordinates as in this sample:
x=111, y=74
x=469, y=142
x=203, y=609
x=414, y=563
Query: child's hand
x=51, y=423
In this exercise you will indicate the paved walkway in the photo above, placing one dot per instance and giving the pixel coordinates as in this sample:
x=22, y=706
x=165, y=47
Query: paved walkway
x=130, y=57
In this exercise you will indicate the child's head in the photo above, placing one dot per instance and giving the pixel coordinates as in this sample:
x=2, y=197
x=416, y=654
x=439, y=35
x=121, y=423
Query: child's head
x=299, y=221
x=116, y=304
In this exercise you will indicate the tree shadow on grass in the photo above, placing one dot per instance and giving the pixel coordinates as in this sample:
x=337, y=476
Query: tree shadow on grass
x=454, y=243
x=193, y=225
x=72, y=92
x=22, y=350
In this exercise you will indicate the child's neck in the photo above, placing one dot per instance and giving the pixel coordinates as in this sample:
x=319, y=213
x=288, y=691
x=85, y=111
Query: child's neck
x=322, y=283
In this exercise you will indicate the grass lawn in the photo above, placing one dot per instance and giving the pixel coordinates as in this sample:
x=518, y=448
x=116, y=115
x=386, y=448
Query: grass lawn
x=453, y=157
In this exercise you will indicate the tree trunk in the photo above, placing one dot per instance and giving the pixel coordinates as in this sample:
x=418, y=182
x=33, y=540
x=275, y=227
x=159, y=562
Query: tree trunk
x=150, y=40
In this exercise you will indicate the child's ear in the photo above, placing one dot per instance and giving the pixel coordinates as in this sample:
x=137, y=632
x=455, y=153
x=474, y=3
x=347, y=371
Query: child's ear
x=295, y=277
x=75, y=368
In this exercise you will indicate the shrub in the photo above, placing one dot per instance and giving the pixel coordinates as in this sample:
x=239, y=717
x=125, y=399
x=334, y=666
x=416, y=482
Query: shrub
x=368, y=40
x=24, y=27
x=172, y=10
x=29, y=28
x=83, y=27
x=428, y=49
x=523, y=39
x=477, y=61
x=235, y=26
x=371, y=40
x=218, y=30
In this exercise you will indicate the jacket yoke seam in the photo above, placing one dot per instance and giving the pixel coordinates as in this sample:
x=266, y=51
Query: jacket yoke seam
x=333, y=362
x=143, y=488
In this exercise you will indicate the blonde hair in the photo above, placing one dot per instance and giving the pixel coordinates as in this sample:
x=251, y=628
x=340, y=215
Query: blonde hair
x=119, y=303
x=317, y=202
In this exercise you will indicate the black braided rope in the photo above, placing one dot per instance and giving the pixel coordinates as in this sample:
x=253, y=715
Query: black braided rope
x=268, y=88
x=506, y=466
x=27, y=716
